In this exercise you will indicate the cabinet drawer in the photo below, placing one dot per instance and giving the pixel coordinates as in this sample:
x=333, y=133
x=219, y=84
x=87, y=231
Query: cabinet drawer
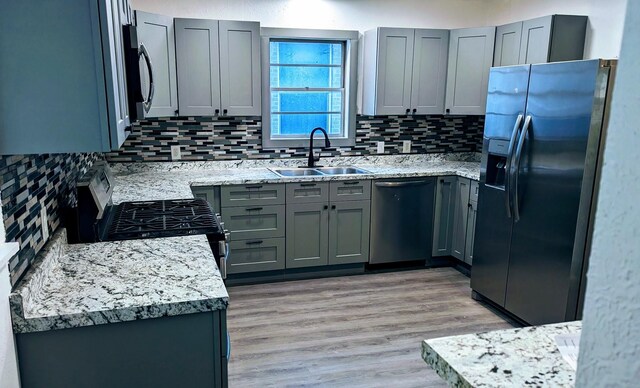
x=254, y=222
x=250, y=195
x=474, y=189
x=256, y=255
x=307, y=192
x=350, y=190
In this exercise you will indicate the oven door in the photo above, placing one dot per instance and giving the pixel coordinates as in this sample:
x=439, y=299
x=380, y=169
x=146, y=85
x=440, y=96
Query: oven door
x=140, y=88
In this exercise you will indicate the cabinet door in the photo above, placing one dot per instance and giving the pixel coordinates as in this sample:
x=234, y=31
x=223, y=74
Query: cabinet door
x=471, y=232
x=536, y=37
x=507, y=50
x=429, y=74
x=240, y=68
x=460, y=213
x=470, y=58
x=156, y=33
x=307, y=235
x=210, y=194
x=256, y=255
x=393, y=80
x=255, y=222
x=115, y=75
x=198, y=67
x=349, y=232
x=443, y=219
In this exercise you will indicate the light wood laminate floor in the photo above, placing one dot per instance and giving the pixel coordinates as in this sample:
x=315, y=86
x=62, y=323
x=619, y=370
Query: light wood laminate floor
x=351, y=331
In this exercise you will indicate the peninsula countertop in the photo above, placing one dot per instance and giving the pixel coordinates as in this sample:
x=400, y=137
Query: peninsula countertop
x=524, y=357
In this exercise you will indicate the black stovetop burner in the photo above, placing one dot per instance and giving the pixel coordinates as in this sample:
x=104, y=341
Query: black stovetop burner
x=150, y=219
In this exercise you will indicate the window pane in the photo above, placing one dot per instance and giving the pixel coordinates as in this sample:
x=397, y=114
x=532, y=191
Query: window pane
x=283, y=125
x=305, y=77
x=307, y=53
x=306, y=101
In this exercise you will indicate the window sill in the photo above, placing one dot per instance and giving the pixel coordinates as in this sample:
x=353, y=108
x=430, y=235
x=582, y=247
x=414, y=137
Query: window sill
x=318, y=141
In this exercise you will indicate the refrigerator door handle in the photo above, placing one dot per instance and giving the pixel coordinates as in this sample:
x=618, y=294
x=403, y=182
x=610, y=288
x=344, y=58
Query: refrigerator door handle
x=512, y=141
x=516, y=169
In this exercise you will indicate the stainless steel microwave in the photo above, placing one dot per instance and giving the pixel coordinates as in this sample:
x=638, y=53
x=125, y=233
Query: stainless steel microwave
x=138, y=68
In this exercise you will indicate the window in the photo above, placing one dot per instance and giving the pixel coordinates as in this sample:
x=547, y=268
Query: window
x=307, y=84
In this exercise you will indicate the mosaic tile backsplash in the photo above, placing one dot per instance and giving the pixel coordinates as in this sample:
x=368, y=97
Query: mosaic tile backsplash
x=29, y=182
x=230, y=138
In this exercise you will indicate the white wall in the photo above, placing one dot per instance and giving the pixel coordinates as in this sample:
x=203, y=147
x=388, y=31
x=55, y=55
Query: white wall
x=610, y=343
x=606, y=18
x=331, y=14
x=604, y=32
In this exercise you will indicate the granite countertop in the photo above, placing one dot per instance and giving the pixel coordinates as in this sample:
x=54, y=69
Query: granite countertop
x=74, y=285
x=525, y=357
x=135, y=181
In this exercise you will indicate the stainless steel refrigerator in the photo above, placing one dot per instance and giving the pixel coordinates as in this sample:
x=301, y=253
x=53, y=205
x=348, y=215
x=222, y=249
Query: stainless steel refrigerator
x=541, y=147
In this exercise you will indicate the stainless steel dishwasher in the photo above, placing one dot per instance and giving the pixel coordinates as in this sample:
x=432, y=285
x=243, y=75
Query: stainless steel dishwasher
x=401, y=220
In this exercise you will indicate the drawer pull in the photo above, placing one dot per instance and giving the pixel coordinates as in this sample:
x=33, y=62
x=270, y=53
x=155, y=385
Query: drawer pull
x=351, y=183
x=254, y=242
x=307, y=184
x=252, y=209
x=254, y=187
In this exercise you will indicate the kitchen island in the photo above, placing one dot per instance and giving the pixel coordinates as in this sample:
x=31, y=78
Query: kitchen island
x=524, y=357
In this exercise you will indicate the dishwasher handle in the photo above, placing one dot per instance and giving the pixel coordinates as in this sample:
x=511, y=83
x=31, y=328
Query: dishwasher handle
x=402, y=183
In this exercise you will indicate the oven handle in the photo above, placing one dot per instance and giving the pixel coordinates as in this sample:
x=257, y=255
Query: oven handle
x=224, y=250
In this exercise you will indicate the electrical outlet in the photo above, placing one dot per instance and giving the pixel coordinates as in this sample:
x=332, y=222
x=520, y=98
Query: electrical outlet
x=381, y=147
x=406, y=146
x=44, y=223
x=176, y=154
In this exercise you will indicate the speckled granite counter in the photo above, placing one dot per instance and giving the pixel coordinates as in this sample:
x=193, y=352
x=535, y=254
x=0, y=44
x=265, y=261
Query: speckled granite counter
x=91, y=284
x=526, y=357
x=136, y=181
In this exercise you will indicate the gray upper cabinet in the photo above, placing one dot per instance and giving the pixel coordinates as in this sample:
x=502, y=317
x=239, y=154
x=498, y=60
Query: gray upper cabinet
x=240, y=68
x=349, y=223
x=444, y=215
x=307, y=236
x=470, y=58
x=429, y=71
x=404, y=71
x=65, y=94
x=198, y=67
x=218, y=66
x=546, y=39
x=460, y=214
x=507, y=50
x=156, y=33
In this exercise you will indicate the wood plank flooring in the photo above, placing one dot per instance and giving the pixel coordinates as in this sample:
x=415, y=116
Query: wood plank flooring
x=352, y=331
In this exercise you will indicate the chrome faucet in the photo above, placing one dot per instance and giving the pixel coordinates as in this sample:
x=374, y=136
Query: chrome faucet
x=312, y=159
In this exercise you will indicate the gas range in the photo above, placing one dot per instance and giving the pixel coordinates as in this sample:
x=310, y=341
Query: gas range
x=95, y=218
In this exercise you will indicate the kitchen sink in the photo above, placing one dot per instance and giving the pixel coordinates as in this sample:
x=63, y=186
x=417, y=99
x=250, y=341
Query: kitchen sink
x=297, y=172
x=341, y=170
x=293, y=172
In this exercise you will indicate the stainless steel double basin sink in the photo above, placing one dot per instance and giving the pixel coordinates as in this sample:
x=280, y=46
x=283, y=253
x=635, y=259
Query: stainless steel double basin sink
x=318, y=171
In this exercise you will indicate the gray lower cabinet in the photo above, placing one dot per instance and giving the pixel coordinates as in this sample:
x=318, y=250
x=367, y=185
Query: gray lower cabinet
x=444, y=215
x=254, y=222
x=470, y=58
x=177, y=351
x=252, y=195
x=460, y=214
x=307, y=235
x=546, y=39
x=256, y=255
x=307, y=192
x=156, y=33
x=210, y=194
x=349, y=223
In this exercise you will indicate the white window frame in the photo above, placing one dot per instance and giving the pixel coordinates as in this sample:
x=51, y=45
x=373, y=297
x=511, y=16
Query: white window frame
x=350, y=40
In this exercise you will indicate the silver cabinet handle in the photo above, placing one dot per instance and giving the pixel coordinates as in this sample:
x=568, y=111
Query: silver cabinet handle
x=142, y=51
x=516, y=169
x=507, y=170
x=401, y=183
